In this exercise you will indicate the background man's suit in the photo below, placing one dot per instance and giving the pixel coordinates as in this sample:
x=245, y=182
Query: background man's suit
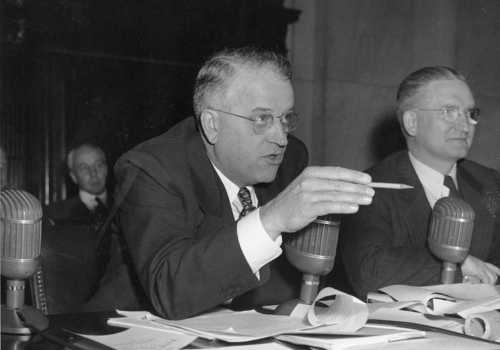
x=385, y=243
x=71, y=211
x=176, y=219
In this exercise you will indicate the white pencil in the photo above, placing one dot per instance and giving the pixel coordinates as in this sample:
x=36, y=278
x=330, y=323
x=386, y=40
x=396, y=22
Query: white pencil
x=389, y=185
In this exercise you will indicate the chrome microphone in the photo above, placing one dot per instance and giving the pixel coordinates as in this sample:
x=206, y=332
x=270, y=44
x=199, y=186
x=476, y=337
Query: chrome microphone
x=312, y=251
x=21, y=234
x=450, y=234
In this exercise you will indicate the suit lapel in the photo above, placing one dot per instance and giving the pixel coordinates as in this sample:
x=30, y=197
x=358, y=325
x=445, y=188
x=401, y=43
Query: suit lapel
x=418, y=211
x=209, y=190
x=472, y=192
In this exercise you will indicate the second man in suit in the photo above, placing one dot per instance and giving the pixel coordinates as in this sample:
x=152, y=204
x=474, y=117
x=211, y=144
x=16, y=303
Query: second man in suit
x=386, y=243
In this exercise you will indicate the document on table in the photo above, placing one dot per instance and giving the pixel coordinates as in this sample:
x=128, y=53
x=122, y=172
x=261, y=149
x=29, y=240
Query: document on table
x=340, y=342
x=142, y=338
x=460, y=298
x=344, y=314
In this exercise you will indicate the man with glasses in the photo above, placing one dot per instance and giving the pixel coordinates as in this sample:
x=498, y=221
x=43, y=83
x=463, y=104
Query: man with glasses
x=202, y=219
x=386, y=243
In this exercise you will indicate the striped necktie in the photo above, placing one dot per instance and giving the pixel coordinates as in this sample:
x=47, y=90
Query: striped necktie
x=246, y=201
x=448, y=182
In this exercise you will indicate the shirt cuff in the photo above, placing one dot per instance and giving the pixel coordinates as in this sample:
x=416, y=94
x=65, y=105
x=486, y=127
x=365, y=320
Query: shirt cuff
x=258, y=248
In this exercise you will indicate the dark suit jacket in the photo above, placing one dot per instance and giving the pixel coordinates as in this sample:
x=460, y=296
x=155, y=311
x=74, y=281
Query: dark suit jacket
x=385, y=243
x=71, y=211
x=180, y=232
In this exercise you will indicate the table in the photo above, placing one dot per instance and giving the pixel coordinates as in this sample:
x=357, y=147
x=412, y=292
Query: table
x=96, y=324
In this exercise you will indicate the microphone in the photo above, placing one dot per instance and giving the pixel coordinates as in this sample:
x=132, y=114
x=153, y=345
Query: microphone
x=21, y=234
x=450, y=234
x=312, y=251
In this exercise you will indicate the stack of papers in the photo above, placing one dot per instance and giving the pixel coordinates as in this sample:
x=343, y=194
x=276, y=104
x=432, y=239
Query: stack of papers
x=342, y=324
x=475, y=303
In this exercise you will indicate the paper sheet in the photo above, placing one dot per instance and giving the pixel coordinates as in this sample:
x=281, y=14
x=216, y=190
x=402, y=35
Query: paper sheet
x=449, y=323
x=460, y=298
x=344, y=314
x=144, y=339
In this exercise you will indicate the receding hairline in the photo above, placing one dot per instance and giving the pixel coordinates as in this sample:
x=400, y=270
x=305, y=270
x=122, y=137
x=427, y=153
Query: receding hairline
x=71, y=154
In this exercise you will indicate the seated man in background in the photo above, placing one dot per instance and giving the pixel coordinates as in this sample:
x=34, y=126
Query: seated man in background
x=88, y=169
x=203, y=217
x=386, y=243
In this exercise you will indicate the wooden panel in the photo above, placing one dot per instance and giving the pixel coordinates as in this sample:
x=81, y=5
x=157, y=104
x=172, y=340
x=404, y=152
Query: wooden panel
x=360, y=125
x=369, y=42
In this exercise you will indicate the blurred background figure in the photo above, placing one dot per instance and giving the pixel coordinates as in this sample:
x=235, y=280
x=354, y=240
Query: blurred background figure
x=88, y=169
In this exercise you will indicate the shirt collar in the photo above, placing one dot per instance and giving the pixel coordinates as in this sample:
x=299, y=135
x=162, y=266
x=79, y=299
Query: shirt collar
x=89, y=199
x=232, y=192
x=432, y=180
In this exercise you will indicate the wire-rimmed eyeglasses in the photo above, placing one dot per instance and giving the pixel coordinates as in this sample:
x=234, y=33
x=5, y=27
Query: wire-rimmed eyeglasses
x=450, y=115
x=264, y=122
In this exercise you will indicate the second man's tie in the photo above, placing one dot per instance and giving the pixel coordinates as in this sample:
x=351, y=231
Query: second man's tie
x=448, y=182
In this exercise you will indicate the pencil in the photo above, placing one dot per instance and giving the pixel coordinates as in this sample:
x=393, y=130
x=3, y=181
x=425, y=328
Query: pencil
x=389, y=185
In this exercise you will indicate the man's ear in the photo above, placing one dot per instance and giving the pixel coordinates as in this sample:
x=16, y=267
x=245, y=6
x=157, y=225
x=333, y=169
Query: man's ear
x=73, y=177
x=210, y=123
x=410, y=122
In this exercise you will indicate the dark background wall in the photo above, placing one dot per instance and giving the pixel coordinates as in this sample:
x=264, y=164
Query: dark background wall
x=111, y=72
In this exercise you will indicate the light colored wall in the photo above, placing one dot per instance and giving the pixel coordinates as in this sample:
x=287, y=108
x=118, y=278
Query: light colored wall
x=349, y=57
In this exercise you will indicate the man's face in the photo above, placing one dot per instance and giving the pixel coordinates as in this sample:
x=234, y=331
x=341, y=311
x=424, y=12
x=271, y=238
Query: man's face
x=89, y=170
x=435, y=139
x=243, y=156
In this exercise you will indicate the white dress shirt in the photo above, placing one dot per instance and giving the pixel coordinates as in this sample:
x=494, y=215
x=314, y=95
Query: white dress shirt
x=433, y=181
x=89, y=199
x=258, y=248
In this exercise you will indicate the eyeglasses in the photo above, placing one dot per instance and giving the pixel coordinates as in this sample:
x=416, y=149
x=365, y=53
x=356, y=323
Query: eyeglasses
x=450, y=115
x=264, y=122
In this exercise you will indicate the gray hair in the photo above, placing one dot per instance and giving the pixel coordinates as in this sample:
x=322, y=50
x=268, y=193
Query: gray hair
x=414, y=82
x=71, y=154
x=219, y=71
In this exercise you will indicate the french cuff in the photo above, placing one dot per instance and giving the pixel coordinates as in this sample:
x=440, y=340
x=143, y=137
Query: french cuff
x=258, y=248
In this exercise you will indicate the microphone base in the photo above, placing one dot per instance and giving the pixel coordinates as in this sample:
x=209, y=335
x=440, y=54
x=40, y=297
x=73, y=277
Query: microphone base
x=12, y=324
x=293, y=308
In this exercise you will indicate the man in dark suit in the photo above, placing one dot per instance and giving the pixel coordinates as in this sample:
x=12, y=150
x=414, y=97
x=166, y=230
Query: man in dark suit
x=386, y=243
x=203, y=217
x=88, y=169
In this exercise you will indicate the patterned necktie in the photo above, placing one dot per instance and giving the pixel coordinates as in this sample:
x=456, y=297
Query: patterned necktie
x=448, y=182
x=246, y=201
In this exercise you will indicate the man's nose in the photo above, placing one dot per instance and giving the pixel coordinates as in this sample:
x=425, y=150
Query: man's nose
x=93, y=171
x=278, y=134
x=462, y=122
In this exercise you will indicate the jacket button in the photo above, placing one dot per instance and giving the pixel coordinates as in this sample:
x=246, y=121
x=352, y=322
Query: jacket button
x=223, y=294
x=230, y=291
x=238, y=289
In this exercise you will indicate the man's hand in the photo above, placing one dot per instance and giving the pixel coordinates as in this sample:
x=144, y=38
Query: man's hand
x=477, y=269
x=317, y=191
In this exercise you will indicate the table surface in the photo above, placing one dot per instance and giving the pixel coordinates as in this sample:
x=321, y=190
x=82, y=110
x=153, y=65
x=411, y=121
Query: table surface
x=96, y=324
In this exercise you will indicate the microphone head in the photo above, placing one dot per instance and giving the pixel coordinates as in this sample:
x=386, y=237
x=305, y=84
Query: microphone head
x=21, y=234
x=450, y=231
x=312, y=249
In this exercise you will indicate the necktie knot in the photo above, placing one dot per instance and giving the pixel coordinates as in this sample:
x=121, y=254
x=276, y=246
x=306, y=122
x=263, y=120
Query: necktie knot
x=448, y=182
x=246, y=202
